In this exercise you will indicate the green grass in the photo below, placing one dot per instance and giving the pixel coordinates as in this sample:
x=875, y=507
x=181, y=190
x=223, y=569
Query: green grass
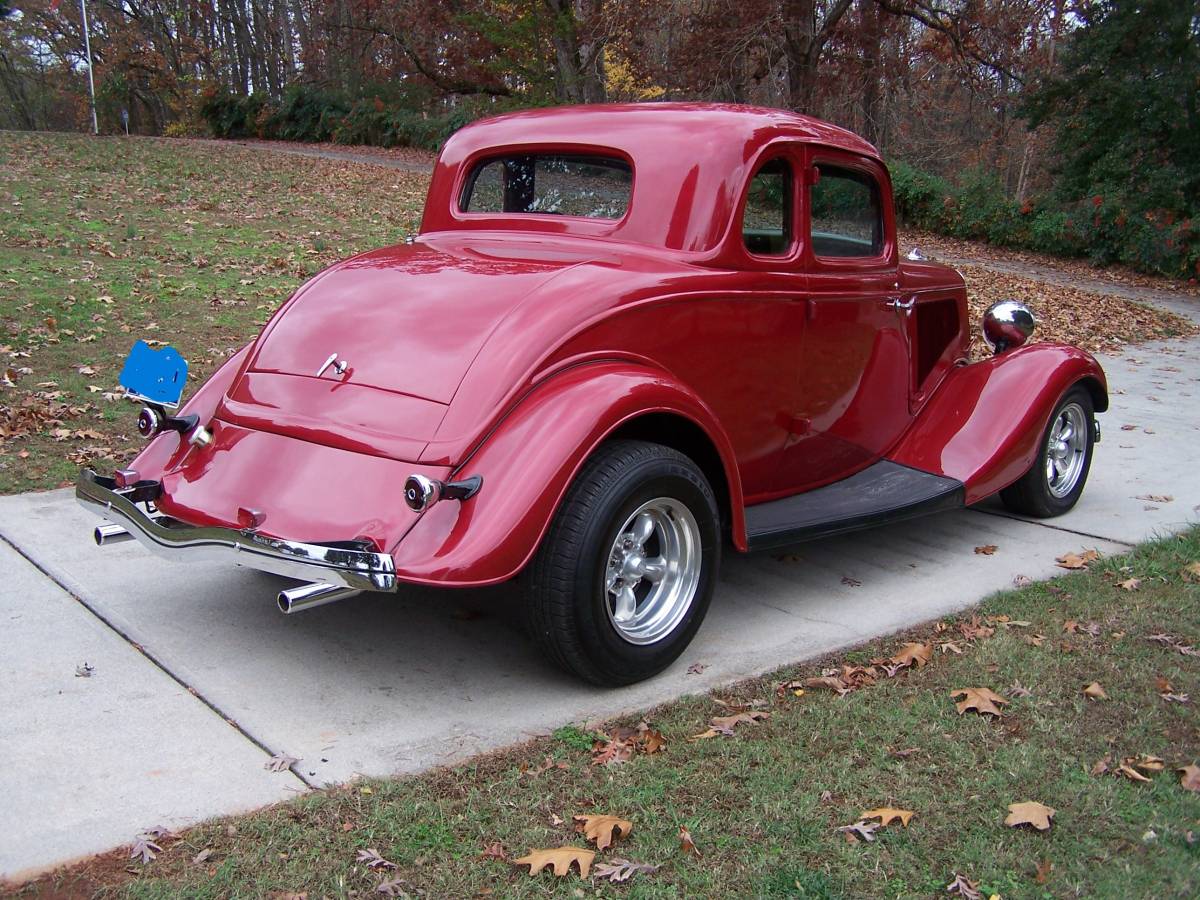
x=763, y=805
x=107, y=240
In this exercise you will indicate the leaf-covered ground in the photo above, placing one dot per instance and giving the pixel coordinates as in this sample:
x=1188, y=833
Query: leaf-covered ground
x=1099, y=323
x=940, y=246
x=786, y=793
x=104, y=241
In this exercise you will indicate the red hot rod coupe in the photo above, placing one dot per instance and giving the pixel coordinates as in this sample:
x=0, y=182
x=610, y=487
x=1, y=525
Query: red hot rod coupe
x=625, y=337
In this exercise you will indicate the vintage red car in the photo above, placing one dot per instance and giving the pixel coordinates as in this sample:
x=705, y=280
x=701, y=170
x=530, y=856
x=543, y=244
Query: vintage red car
x=625, y=338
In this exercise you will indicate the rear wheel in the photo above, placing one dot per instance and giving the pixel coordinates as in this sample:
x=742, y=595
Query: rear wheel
x=1055, y=481
x=625, y=574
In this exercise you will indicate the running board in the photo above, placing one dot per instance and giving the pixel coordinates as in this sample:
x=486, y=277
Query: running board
x=879, y=494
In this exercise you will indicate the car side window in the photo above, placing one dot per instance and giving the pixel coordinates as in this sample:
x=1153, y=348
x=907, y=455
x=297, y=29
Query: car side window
x=767, y=218
x=846, y=217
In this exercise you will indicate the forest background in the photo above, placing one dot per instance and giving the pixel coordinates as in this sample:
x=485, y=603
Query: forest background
x=1064, y=126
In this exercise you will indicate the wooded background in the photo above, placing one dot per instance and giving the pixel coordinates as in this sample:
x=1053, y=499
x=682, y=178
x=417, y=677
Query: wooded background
x=1064, y=125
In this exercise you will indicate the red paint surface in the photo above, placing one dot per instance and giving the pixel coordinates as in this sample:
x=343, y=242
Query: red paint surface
x=984, y=423
x=508, y=346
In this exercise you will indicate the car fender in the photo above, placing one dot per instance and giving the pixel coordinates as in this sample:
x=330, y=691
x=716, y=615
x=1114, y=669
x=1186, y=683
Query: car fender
x=168, y=447
x=528, y=462
x=984, y=423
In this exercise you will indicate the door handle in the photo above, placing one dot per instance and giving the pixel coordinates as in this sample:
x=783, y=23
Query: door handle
x=902, y=305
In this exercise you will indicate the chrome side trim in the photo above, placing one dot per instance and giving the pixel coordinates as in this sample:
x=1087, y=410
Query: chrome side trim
x=352, y=568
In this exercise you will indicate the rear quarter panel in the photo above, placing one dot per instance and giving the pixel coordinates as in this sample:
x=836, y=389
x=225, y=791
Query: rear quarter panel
x=528, y=463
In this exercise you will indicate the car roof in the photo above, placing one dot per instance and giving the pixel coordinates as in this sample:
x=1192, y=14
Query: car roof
x=632, y=126
x=690, y=162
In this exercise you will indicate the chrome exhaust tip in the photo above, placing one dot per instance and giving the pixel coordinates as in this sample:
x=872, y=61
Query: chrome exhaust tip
x=110, y=534
x=308, y=596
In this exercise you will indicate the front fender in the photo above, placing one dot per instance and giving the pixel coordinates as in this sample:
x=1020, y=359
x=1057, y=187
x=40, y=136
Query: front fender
x=984, y=424
x=528, y=462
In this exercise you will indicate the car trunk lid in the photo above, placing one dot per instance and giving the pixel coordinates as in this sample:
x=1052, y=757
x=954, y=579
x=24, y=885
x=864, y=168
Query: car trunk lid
x=408, y=319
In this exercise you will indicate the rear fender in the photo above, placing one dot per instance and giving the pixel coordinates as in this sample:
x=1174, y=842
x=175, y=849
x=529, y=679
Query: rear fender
x=528, y=462
x=984, y=423
x=167, y=449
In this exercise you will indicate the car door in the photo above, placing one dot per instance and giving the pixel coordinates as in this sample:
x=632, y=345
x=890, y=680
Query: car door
x=852, y=386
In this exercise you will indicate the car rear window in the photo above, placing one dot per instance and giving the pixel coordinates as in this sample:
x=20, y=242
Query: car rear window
x=552, y=184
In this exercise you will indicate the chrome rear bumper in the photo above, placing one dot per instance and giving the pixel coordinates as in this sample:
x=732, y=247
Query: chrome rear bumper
x=326, y=563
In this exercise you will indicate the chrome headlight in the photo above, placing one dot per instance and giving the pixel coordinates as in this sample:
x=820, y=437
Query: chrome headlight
x=1007, y=325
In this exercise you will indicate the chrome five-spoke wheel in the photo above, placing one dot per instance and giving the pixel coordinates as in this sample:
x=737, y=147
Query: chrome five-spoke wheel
x=653, y=570
x=625, y=575
x=1055, y=480
x=1066, y=449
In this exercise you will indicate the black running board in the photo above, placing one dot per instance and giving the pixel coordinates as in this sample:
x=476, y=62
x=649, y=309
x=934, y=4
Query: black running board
x=879, y=494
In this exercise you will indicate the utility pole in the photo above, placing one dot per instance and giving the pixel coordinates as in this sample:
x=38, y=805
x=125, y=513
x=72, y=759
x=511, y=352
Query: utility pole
x=87, y=47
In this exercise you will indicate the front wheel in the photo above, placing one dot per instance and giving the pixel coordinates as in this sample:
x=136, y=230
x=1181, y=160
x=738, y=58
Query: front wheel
x=626, y=572
x=1055, y=481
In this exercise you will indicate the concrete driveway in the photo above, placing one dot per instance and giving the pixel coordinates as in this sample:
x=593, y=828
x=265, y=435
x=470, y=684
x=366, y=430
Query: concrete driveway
x=198, y=680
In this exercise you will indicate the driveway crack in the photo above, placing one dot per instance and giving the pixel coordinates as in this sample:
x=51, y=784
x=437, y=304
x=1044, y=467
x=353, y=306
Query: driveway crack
x=158, y=663
x=1086, y=534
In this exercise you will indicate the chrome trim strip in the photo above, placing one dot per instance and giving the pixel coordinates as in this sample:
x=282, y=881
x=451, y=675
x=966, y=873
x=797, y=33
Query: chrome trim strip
x=167, y=537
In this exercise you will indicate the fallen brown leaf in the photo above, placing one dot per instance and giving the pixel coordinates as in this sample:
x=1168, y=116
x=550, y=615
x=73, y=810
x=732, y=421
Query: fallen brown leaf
x=602, y=830
x=724, y=725
x=1029, y=812
x=982, y=700
x=1131, y=773
x=1130, y=584
x=371, y=857
x=652, y=741
x=973, y=630
x=832, y=682
x=1101, y=766
x=1094, y=692
x=887, y=814
x=986, y=549
x=686, y=844
x=622, y=869
x=1146, y=763
x=913, y=655
x=861, y=830
x=964, y=887
x=545, y=766
x=610, y=752
x=494, y=850
x=280, y=762
x=144, y=848
x=1189, y=778
x=1078, y=560
x=559, y=859
x=1042, y=874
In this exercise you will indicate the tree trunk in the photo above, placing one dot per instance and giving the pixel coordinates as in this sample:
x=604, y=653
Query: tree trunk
x=578, y=50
